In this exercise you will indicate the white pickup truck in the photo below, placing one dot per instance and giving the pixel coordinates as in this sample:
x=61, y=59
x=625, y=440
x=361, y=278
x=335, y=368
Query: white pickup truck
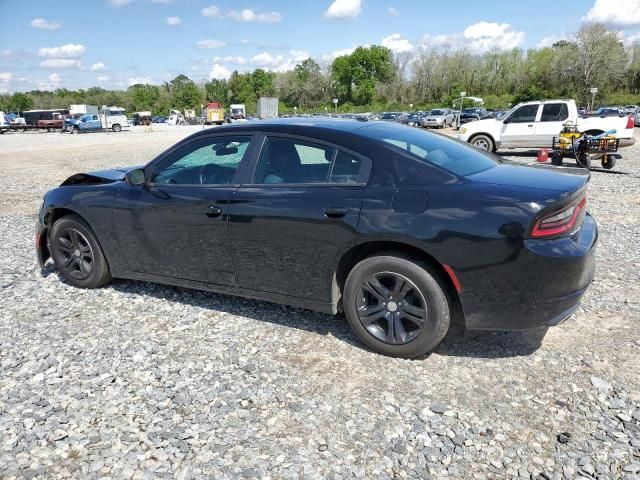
x=534, y=124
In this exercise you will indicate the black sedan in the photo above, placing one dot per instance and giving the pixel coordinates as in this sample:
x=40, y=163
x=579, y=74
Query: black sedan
x=395, y=226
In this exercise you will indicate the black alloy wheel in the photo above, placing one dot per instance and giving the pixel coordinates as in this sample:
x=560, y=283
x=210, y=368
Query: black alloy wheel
x=77, y=254
x=391, y=308
x=396, y=304
x=78, y=258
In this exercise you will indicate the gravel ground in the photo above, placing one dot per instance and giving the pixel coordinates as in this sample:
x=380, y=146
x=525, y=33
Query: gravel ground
x=144, y=381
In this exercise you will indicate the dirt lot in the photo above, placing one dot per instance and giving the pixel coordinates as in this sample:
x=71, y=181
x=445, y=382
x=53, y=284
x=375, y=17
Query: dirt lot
x=142, y=381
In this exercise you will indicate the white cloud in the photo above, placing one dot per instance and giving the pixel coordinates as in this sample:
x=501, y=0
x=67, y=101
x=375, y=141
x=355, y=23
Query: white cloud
x=219, y=72
x=43, y=24
x=551, y=39
x=344, y=9
x=631, y=39
x=248, y=15
x=245, y=41
x=231, y=59
x=96, y=67
x=61, y=63
x=103, y=78
x=331, y=56
x=614, y=12
x=54, y=81
x=5, y=52
x=5, y=79
x=397, y=44
x=211, y=11
x=479, y=37
x=119, y=3
x=299, y=55
x=71, y=50
x=393, y=12
x=210, y=43
x=265, y=59
x=173, y=21
x=142, y=80
x=163, y=2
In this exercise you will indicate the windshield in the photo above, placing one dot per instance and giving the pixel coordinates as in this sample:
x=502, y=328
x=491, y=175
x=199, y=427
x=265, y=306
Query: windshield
x=428, y=147
x=436, y=112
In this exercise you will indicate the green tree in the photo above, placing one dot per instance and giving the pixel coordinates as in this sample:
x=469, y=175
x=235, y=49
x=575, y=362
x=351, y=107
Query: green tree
x=184, y=93
x=143, y=97
x=217, y=90
x=20, y=101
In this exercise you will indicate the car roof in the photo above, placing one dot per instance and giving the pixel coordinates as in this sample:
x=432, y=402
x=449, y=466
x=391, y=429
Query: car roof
x=299, y=125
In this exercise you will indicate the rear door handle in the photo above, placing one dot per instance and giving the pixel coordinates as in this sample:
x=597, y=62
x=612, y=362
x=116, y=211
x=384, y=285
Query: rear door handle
x=213, y=211
x=335, y=212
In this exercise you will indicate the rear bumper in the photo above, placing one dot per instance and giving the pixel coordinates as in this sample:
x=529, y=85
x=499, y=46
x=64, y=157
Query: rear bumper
x=542, y=287
x=626, y=142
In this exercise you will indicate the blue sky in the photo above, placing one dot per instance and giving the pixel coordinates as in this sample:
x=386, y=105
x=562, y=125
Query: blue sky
x=114, y=43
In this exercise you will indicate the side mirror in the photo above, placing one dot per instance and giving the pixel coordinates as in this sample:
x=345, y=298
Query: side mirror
x=135, y=177
x=506, y=120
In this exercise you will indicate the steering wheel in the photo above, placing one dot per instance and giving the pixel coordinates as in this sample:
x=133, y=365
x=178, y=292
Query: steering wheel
x=210, y=174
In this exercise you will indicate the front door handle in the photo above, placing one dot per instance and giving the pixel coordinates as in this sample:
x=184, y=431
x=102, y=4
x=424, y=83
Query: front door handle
x=335, y=212
x=213, y=211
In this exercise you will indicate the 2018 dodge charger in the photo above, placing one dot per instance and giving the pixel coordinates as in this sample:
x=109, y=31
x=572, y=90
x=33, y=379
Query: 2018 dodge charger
x=395, y=226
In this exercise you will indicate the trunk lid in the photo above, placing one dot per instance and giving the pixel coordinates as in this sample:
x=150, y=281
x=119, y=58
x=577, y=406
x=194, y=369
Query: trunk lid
x=526, y=176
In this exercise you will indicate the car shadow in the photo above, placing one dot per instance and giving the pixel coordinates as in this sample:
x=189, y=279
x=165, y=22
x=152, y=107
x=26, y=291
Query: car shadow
x=458, y=342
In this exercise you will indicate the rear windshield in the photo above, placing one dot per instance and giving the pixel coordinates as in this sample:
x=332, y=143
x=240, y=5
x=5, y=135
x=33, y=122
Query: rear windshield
x=428, y=147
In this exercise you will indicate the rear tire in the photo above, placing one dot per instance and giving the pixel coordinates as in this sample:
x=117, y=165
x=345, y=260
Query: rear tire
x=556, y=159
x=406, y=315
x=77, y=254
x=483, y=142
x=116, y=128
x=584, y=160
x=608, y=162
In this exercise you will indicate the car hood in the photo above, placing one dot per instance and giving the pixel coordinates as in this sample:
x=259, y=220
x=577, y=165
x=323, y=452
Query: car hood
x=98, y=177
x=525, y=176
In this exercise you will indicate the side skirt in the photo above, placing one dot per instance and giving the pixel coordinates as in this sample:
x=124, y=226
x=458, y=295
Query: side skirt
x=323, y=307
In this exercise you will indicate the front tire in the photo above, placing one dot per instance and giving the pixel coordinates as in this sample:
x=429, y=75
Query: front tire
x=116, y=128
x=396, y=306
x=77, y=254
x=483, y=142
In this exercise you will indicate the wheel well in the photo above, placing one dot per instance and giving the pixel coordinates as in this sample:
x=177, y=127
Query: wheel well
x=57, y=213
x=359, y=252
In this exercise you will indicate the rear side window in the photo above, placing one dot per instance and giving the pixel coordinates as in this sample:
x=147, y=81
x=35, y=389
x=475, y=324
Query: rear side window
x=284, y=160
x=554, y=112
x=346, y=168
x=287, y=161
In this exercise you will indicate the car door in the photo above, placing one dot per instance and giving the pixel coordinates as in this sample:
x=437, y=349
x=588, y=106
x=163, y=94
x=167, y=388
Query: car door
x=291, y=222
x=551, y=122
x=93, y=122
x=176, y=225
x=518, y=129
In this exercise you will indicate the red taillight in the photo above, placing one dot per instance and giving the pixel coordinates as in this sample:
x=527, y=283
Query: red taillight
x=562, y=221
x=630, y=122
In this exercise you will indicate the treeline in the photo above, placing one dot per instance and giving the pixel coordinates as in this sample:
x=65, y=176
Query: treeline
x=373, y=79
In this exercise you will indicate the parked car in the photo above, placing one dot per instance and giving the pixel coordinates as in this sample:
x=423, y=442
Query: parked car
x=534, y=124
x=84, y=124
x=473, y=114
x=413, y=120
x=439, y=118
x=397, y=227
x=608, y=111
x=634, y=111
x=390, y=116
x=160, y=119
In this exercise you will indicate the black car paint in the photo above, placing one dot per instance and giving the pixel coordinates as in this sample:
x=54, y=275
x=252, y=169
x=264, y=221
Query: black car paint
x=282, y=243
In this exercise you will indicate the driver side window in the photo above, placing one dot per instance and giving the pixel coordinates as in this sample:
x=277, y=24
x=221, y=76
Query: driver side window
x=211, y=161
x=525, y=114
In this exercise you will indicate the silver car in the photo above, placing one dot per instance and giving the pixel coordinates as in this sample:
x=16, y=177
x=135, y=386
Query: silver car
x=438, y=118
